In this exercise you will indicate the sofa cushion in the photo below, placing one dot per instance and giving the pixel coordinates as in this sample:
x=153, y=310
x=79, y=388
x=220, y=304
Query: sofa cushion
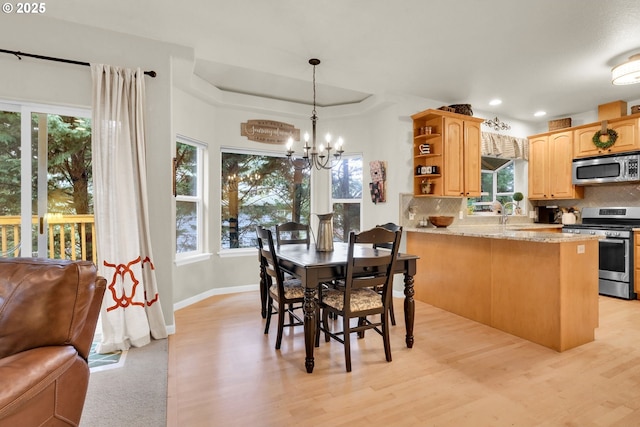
x=43, y=386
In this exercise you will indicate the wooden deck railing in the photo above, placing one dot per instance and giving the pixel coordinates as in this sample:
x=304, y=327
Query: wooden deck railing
x=69, y=236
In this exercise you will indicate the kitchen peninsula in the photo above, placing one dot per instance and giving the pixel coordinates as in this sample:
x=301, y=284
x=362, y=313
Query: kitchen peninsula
x=538, y=285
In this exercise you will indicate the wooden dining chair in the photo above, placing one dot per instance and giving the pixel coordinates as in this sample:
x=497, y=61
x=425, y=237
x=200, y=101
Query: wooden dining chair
x=284, y=296
x=391, y=227
x=292, y=232
x=355, y=297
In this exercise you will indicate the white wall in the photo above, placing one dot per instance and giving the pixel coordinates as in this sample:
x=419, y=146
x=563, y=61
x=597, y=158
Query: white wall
x=37, y=81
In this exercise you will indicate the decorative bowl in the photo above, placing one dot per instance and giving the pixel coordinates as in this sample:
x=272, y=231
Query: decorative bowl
x=441, y=221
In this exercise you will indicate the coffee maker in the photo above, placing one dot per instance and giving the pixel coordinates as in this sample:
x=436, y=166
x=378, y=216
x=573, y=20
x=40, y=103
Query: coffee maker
x=546, y=214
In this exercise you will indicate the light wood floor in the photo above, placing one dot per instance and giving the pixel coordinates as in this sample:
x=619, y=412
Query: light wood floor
x=223, y=371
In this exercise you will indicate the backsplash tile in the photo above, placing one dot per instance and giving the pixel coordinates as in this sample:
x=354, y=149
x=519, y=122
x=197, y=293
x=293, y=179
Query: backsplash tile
x=616, y=195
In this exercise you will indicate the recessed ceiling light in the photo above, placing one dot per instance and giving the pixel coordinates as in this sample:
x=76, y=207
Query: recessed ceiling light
x=540, y=113
x=495, y=102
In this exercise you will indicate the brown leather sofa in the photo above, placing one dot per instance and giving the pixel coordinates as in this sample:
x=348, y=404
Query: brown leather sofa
x=48, y=314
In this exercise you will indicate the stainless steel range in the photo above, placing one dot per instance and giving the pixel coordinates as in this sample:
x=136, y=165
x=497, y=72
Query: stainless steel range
x=616, y=248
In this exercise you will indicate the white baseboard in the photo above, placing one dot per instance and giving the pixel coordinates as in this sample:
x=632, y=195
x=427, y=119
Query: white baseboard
x=212, y=292
x=232, y=290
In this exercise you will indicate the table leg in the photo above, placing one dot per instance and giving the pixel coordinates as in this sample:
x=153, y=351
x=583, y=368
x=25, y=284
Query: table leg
x=309, y=308
x=409, y=308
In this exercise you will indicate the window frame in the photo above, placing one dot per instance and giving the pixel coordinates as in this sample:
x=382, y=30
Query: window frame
x=201, y=252
x=333, y=200
x=494, y=177
x=247, y=251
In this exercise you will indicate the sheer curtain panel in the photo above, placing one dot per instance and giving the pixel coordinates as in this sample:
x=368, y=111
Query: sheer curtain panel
x=131, y=312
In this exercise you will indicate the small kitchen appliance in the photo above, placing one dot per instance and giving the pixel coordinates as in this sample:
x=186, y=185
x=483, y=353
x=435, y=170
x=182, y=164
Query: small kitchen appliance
x=608, y=169
x=616, y=264
x=547, y=214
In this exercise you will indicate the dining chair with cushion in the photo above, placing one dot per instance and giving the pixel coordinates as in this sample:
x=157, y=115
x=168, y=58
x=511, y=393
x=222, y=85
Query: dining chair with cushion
x=292, y=232
x=284, y=296
x=367, y=268
x=391, y=227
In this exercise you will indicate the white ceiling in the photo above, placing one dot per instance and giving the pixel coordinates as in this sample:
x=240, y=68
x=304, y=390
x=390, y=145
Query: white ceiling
x=551, y=55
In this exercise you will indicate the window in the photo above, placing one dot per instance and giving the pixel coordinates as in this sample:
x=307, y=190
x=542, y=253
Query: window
x=46, y=185
x=259, y=189
x=497, y=183
x=346, y=197
x=189, y=181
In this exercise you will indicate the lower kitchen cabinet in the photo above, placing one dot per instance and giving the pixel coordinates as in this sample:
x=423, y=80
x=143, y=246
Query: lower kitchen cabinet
x=546, y=293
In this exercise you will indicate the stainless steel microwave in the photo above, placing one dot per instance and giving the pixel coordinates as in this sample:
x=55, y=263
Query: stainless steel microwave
x=606, y=169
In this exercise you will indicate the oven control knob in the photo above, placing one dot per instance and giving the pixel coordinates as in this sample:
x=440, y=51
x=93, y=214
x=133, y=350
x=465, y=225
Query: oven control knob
x=592, y=232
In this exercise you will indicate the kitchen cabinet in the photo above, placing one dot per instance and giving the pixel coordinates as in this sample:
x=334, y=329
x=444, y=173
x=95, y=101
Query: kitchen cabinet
x=550, y=162
x=628, y=138
x=454, y=151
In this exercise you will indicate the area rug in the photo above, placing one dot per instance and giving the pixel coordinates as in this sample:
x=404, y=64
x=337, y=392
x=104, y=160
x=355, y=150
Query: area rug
x=134, y=395
x=102, y=362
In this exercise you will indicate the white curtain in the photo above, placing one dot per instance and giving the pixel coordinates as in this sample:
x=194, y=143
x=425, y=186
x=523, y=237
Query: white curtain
x=498, y=145
x=131, y=312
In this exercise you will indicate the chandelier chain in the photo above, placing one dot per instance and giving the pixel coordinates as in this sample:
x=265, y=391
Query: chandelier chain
x=313, y=112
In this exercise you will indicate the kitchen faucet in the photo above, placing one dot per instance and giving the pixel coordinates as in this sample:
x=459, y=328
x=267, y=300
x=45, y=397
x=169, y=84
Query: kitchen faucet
x=503, y=210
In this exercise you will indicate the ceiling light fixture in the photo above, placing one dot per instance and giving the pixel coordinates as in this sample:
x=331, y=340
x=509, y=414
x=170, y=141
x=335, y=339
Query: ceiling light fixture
x=495, y=102
x=496, y=124
x=627, y=73
x=540, y=113
x=312, y=156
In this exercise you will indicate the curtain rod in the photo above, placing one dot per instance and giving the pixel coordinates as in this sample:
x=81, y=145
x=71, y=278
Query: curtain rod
x=19, y=55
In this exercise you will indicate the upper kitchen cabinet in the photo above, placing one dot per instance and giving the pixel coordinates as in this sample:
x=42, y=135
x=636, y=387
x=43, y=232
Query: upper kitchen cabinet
x=446, y=154
x=628, y=137
x=550, y=160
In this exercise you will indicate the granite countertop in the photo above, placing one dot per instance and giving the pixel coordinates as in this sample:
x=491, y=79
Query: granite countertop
x=509, y=232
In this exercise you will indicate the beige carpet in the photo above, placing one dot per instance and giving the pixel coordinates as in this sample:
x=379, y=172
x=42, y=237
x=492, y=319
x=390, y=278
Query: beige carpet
x=134, y=395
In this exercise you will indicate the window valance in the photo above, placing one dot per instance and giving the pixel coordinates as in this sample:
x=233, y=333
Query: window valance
x=497, y=145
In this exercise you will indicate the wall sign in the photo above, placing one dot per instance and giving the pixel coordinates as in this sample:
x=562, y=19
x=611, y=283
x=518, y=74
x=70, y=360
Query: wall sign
x=269, y=131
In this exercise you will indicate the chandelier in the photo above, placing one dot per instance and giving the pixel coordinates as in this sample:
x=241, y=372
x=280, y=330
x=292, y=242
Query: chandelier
x=320, y=156
x=496, y=124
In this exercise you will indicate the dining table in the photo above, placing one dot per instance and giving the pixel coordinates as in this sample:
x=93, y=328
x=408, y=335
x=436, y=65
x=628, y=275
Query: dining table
x=314, y=268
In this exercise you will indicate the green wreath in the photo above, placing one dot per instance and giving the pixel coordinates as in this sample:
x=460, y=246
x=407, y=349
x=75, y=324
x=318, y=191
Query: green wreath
x=613, y=136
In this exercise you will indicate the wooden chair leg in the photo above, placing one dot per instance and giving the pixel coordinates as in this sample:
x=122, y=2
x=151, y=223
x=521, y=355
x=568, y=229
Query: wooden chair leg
x=269, y=310
x=325, y=322
x=281, y=309
x=385, y=337
x=391, y=313
x=347, y=342
x=361, y=322
x=290, y=313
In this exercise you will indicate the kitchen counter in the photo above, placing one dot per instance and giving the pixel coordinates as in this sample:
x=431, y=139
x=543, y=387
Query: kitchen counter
x=526, y=232
x=538, y=285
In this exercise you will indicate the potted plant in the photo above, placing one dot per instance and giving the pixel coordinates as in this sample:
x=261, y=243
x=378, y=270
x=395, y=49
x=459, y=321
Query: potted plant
x=517, y=197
